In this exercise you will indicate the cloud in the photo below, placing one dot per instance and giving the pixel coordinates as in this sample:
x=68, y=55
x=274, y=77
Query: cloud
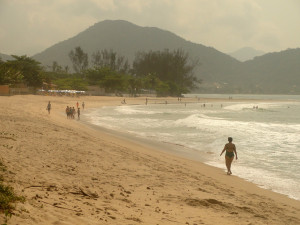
x=136, y=6
x=224, y=24
x=105, y=4
x=40, y=25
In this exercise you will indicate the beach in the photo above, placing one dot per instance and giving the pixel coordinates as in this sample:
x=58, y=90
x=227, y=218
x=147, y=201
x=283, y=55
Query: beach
x=73, y=173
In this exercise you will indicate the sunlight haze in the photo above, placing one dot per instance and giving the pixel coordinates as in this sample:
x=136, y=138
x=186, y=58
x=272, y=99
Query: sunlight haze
x=31, y=26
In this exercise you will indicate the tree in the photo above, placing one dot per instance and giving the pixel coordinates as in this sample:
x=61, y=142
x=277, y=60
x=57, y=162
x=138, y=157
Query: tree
x=79, y=60
x=134, y=85
x=114, y=82
x=173, y=67
x=151, y=81
x=111, y=60
x=30, y=69
x=56, y=68
x=66, y=69
x=71, y=84
x=162, y=89
x=9, y=75
x=95, y=75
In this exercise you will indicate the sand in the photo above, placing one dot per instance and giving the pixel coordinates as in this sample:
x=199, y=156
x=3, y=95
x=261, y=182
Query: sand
x=72, y=173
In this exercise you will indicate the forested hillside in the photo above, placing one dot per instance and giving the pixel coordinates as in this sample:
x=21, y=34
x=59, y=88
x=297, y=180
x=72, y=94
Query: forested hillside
x=128, y=39
x=220, y=73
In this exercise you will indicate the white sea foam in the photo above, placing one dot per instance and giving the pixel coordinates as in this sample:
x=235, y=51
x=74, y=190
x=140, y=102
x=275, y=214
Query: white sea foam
x=129, y=110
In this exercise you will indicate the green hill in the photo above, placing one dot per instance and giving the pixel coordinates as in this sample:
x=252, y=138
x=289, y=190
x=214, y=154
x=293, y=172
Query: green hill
x=277, y=73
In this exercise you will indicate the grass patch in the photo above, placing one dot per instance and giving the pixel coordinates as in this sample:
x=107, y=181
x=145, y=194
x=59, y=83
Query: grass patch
x=2, y=167
x=7, y=196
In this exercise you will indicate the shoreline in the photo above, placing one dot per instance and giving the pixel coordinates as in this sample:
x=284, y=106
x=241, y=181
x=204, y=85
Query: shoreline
x=183, y=151
x=165, y=147
x=74, y=174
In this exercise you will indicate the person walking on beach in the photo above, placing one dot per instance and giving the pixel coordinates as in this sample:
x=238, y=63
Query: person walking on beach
x=78, y=113
x=229, y=155
x=49, y=107
x=83, y=105
x=68, y=112
x=73, y=112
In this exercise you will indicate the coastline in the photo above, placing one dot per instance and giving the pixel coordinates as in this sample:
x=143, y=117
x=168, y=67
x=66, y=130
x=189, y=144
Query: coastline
x=72, y=173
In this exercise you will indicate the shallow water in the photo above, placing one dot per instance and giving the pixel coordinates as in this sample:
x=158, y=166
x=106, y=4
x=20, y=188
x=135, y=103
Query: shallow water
x=267, y=138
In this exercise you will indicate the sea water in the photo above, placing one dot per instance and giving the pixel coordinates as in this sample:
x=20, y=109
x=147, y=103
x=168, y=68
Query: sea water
x=266, y=134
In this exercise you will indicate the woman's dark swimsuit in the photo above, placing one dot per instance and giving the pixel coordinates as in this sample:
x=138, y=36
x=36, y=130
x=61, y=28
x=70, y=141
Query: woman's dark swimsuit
x=229, y=154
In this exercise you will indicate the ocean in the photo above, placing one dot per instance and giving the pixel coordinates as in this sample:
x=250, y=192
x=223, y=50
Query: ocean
x=266, y=133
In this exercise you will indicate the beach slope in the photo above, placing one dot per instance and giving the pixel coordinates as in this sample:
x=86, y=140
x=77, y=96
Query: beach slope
x=71, y=173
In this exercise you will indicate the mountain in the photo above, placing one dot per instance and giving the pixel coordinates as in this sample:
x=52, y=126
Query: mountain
x=5, y=57
x=276, y=73
x=245, y=54
x=272, y=73
x=127, y=39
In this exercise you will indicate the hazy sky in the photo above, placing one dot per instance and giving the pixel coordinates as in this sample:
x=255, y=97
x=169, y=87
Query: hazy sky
x=30, y=26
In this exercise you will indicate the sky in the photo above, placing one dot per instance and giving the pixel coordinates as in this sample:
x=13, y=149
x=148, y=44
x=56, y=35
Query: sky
x=30, y=26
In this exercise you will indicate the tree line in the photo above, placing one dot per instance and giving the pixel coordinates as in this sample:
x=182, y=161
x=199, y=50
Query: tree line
x=167, y=73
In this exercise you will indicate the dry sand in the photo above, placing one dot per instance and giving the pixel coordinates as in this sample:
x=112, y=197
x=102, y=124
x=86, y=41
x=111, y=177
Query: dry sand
x=71, y=173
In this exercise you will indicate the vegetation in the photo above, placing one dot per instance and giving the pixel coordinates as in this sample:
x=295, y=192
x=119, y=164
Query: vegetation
x=110, y=59
x=7, y=196
x=9, y=75
x=22, y=69
x=79, y=59
x=56, y=68
x=30, y=69
x=173, y=69
x=71, y=84
x=164, y=72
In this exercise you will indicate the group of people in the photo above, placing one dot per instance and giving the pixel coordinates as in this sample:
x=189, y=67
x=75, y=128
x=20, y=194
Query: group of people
x=71, y=111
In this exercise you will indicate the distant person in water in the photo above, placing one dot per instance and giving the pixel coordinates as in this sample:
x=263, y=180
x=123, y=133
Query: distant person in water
x=49, y=107
x=229, y=155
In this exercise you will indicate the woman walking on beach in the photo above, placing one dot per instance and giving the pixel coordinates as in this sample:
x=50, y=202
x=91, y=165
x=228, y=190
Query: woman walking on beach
x=229, y=155
x=49, y=107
